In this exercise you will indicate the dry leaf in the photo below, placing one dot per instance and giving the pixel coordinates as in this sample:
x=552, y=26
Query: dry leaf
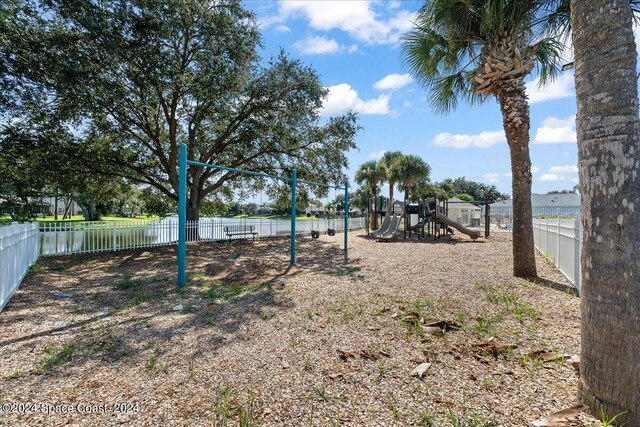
x=432, y=330
x=494, y=347
x=574, y=361
x=482, y=359
x=336, y=376
x=345, y=355
x=445, y=325
x=420, y=370
x=566, y=417
x=369, y=354
x=547, y=356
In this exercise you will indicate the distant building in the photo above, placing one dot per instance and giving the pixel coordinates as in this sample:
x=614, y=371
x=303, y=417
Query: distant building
x=464, y=212
x=314, y=210
x=264, y=210
x=563, y=205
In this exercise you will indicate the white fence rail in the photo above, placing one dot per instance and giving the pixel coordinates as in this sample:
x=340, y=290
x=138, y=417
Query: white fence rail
x=561, y=239
x=85, y=237
x=18, y=251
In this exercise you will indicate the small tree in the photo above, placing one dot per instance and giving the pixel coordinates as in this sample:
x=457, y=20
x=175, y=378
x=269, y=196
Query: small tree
x=477, y=50
x=372, y=174
x=389, y=158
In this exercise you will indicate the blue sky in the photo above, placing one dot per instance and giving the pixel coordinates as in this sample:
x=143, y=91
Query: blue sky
x=354, y=45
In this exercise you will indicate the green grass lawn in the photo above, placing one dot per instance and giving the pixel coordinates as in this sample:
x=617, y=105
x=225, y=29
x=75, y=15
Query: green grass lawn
x=287, y=217
x=77, y=218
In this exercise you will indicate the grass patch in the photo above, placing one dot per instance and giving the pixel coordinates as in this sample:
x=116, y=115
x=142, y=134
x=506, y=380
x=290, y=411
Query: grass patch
x=57, y=356
x=219, y=293
x=154, y=364
x=509, y=302
x=228, y=407
x=469, y=420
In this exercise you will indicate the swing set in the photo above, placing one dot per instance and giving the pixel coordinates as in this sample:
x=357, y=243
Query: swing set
x=183, y=162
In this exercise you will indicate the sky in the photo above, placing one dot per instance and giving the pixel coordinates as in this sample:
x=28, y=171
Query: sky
x=354, y=46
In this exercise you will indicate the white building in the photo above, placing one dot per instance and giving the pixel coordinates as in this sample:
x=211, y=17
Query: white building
x=464, y=212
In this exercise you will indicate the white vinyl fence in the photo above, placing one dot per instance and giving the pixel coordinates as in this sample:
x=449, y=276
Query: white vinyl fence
x=84, y=237
x=561, y=239
x=18, y=251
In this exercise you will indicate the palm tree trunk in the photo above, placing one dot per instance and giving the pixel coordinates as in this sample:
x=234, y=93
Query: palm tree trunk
x=515, y=119
x=609, y=158
x=390, y=204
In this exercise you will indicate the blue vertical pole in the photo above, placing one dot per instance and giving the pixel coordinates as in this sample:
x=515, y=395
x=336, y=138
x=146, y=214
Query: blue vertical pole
x=182, y=216
x=346, y=216
x=293, y=217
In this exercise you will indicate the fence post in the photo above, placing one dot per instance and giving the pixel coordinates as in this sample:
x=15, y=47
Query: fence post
x=293, y=217
x=558, y=241
x=114, y=236
x=577, y=264
x=182, y=217
x=346, y=216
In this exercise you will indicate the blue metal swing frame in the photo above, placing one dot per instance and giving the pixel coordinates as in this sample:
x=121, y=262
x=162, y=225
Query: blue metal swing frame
x=183, y=162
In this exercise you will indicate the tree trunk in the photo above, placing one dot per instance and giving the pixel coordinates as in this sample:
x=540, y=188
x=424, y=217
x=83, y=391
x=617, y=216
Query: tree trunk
x=609, y=159
x=515, y=119
x=390, y=204
x=193, y=216
x=373, y=217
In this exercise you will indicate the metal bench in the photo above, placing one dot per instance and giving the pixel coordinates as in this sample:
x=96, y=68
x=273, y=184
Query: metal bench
x=240, y=230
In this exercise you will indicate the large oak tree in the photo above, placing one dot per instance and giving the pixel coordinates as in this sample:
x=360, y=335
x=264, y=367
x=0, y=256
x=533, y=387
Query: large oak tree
x=130, y=80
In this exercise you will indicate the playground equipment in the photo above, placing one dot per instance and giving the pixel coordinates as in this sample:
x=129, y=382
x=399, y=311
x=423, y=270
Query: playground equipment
x=182, y=206
x=391, y=231
x=315, y=233
x=426, y=216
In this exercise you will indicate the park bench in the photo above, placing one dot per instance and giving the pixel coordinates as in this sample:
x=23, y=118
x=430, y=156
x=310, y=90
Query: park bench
x=240, y=230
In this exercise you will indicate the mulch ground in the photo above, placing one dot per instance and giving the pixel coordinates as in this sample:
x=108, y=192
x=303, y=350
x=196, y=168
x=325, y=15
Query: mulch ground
x=433, y=333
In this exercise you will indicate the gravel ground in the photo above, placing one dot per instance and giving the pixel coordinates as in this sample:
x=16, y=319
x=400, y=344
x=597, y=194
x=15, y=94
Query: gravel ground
x=257, y=342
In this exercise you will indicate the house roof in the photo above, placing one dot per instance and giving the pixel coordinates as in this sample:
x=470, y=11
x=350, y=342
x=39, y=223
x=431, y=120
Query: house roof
x=545, y=201
x=455, y=203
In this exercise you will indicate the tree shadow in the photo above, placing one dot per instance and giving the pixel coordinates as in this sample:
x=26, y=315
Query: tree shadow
x=111, y=307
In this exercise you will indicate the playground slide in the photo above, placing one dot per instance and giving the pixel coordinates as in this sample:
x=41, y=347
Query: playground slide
x=383, y=227
x=391, y=231
x=461, y=228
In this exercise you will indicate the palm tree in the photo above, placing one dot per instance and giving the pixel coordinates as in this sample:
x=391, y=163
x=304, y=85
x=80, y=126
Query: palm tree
x=389, y=158
x=409, y=170
x=479, y=49
x=608, y=139
x=372, y=174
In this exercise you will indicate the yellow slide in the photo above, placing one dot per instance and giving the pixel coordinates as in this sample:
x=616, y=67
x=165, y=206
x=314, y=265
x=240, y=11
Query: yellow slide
x=461, y=228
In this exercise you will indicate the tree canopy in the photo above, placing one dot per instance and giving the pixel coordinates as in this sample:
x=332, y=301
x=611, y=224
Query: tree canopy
x=127, y=81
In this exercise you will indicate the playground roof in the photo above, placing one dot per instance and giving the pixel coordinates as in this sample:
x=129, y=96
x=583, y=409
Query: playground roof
x=545, y=201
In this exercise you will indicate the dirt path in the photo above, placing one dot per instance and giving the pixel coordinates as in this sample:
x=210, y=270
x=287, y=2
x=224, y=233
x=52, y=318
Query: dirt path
x=321, y=343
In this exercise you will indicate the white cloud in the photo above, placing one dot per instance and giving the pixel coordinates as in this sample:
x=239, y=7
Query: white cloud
x=356, y=18
x=377, y=154
x=318, y=45
x=562, y=87
x=556, y=131
x=564, y=169
x=393, y=4
x=491, y=178
x=551, y=177
x=282, y=29
x=393, y=81
x=343, y=97
x=535, y=169
x=480, y=140
x=507, y=175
